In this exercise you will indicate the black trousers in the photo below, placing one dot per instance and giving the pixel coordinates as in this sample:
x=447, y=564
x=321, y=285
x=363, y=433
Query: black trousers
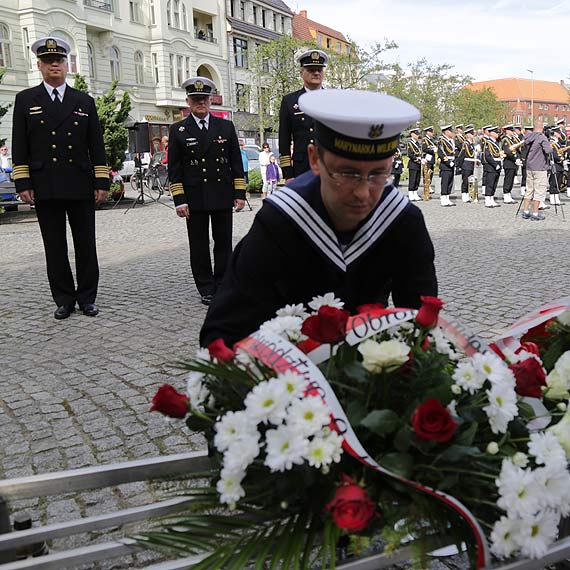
x=465, y=174
x=509, y=180
x=523, y=177
x=555, y=182
x=492, y=180
x=397, y=179
x=81, y=215
x=414, y=180
x=446, y=181
x=198, y=225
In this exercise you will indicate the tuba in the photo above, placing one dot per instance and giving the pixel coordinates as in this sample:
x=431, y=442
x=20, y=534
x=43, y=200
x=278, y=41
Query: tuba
x=473, y=188
x=427, y=172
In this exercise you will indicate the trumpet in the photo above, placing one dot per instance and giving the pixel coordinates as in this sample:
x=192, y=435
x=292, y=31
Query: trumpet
x=514, y=147
x=563, y=149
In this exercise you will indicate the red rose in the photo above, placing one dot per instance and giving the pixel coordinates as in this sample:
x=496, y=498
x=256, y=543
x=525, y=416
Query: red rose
x=531, y=347
x=429, y=311
x=352, y=508
x=328, y=326
x=219, y=350
x=538, y=332
x=431, y=420
x=530, y=376
x=169, y=402
x=370, y=308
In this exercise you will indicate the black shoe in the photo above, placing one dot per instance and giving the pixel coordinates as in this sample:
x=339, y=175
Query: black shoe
x=63, y=312
x=207, y=299
x=90, y=309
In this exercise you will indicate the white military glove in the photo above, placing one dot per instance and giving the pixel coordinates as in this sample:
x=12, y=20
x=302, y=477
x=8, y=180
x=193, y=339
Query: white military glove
x=498, y=167
x=518, y=162
x=451, y=163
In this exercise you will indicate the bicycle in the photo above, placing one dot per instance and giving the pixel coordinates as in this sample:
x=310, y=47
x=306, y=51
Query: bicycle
x=154, y=182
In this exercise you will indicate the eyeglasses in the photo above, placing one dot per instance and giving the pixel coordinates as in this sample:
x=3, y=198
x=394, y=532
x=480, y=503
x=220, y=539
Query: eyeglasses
x=352, y=180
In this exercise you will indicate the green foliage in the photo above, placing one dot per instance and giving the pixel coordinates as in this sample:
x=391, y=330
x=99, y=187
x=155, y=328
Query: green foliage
x=3, y=108
x=80, y=83
x=112, y=115
x=480, y=107
x=255, y=182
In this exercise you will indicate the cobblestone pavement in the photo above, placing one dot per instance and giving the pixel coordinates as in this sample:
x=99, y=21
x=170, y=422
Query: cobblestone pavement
x=76, y=393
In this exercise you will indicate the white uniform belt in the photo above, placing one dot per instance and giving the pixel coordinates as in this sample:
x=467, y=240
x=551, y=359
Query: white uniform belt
x=469, y=159
x=450, y=157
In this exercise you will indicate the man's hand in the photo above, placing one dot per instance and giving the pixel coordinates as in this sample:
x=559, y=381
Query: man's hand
x=239, y=205
x=27, y=196
x=183, y=211
x=100, y=196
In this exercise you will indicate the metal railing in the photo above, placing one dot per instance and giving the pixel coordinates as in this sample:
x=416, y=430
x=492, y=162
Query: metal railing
x=206, y=38
x=100, y=4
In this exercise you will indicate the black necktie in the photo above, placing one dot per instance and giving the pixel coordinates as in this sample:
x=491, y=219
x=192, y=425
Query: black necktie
x=203, y=129
x=56, y=99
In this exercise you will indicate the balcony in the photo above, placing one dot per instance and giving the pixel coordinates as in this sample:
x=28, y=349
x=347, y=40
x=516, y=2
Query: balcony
x=99, y=15
x=202, y=36
x=99, y=4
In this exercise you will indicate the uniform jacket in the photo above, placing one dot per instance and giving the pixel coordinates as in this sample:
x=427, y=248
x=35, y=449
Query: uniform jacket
x=205, y=169
x=295, y=126
x=466, y=156
x=414, y=155
x=384, y=258
x=510, y=155
x=492, y=156
x=556, y=155
x=398, y=164
x=429, y=147
x=58, y=149
x=446, y=153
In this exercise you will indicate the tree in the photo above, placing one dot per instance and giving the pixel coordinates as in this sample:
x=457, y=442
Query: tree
x=480, y=107
x=3, y=108
x=356, y=69
x=80, y=83
x=432, y=88
x=112, y=116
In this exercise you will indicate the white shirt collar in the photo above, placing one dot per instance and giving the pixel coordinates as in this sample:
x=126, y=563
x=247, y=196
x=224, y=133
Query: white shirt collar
x=206, y=118
x=60, y=90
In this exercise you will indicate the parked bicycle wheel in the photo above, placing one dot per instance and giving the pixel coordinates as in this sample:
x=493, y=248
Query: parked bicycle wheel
x=153, y=188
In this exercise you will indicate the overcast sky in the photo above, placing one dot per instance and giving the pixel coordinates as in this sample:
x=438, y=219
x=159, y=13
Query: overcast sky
x=486, y=39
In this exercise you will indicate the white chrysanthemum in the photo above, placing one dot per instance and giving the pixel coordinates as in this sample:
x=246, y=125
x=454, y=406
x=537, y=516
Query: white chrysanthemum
x=241, y=453
x=308, y=416
x=519, y=493
x=563, y=365
x=562, y=432
x=502, y=408
x=564, y=318
x=537, y=533
x=324, y=450
x=285, y=447
x=229, y=487
x=295, y=384
x=558, y=386
x=468, y=377
x=232, y=427
x=491, y=367
x=293, y=311
x=267, y=402
x=555, y=483
x=520, y=459
x=442, y=345
x=387, y=355
x=326, y=300
x=197, y=392
x=546, y=449
x=503, y=537
x=452, y=408
x=285, y=327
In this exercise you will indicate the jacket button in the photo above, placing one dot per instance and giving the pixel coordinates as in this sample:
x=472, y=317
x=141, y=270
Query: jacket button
x=311, y=129
x=71, y=160
x=53, y=146
x=68, y=134
x=203, y=170
x=217, y=170
x=205, y=180
x=75, y=123
x=219, y=179
x=222, y=149
x=302, y=118
x=54, y=159
x=312, y=141
x=53, y=133
x=203, y=160
x=42, y=121
x=217, y=160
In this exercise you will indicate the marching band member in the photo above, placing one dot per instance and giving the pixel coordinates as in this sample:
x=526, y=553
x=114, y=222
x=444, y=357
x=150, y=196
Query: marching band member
x=446, y=154
x=492, y=166
x=414, y=164
x=397, y=168
x=555, y=178
x=429, y=150
x=510, y=163
x=466, y=161
x=484, y=139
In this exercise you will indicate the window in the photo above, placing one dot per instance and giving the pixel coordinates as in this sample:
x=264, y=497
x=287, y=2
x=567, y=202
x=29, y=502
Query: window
x=338, y=47
x=152, y=13
x=187, y=67
x=517, y=119
x=172, y=74
x=72, y=57
x=546, y=107
x=242, y=97
x=263, y=18
x=134, y=10
x=155, y=67
x=320, y=40
x=91, y=60
x=115, y=62
x=275, y=22
x=179, y=70
x=240, y=51
x=184, y=18
x=556, y=107
x=27, y=50
x=5, y=46
x=283, y=24
x=255, y=15
x=168, y=14
x=176, y=14
x=242, y=10
x=347, y=50
x=139, y=67
x=232, y=8
x=328, y=42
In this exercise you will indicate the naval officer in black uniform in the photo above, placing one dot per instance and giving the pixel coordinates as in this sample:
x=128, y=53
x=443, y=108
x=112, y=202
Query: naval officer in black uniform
x=206, y=176
x=60, y=166
x=295, y=126
x=341, y=227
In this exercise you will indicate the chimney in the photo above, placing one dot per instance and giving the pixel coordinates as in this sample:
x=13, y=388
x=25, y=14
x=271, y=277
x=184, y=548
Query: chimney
x=303, y=13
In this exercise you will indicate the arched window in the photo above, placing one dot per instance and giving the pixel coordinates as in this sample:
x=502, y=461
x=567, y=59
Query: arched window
x=139, y=67
x=168, y=14
x=184, y=18
x=176, y=14
x=115, y=62
x=72, y=55
x=5, y=46
x=91, y=60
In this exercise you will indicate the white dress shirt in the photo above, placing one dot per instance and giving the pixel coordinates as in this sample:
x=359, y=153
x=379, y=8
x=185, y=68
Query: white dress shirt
x=60, y=90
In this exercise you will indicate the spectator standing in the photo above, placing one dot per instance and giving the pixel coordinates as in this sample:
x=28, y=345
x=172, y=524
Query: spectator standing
x=5, y=159
x=272, y=174
x=244, y=160
x=264, y=157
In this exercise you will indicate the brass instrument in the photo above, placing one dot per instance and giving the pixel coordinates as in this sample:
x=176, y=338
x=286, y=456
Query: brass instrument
x=514, y=147
x=473, y=188
x=427, y=172
x=563, y=149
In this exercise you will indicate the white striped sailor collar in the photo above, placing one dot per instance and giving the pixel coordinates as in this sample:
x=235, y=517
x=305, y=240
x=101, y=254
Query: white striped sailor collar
x=303, y=206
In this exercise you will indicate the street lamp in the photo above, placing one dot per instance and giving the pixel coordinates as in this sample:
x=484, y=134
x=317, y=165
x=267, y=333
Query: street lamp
x=531, y=96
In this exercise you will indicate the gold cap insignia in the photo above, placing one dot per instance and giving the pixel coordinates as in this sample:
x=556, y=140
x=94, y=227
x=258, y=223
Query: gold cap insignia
x=315, y=56
x=199, y=85
x=375, y=131
x=51, y=45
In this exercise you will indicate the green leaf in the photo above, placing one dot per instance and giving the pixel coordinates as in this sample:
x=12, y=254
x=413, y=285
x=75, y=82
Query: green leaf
x=356, y=371
x=455, y=453
x=196, y=423
x=381, y=422
x=448, y=482
x=403, y=438
x=399, y=463
x=467, y=436
x=526, y=410
x=355, y=411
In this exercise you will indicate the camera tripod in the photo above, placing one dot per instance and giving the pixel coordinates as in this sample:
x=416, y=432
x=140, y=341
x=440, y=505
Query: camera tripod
x=554, y=174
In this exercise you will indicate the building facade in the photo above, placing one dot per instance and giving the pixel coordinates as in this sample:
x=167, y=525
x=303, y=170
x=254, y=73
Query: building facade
x=149, y=46
x=250, y=24
x=326, y=38
x=528, y=99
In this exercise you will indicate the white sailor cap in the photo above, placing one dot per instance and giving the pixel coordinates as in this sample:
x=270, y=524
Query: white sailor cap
x=486, y=127
x=199, y=86
x=528, y=128
x=51, y=45
x=459, y=126
x=446, y=128
x=561, y=121
x=314, y=57
x=493, y=129
x=428, y=129
x=509, y=127
x=360, y=125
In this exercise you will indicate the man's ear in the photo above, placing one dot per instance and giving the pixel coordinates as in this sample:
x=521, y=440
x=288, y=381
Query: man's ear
x=314, y=159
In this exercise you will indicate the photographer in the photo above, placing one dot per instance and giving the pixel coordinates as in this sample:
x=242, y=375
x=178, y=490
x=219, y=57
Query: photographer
x=537, y=163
